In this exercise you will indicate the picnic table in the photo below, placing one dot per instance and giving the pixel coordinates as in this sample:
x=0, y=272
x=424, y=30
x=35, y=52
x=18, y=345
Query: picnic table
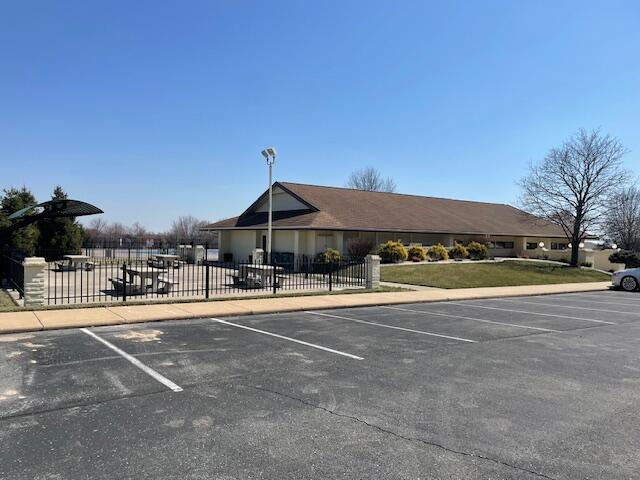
x=138, y=284
x=74, y=262
x=258, y=275
x=139, y=276
x=165, y=259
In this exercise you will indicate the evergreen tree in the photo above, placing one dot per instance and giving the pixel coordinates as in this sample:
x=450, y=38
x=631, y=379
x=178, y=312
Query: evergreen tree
x=24, y=240
x=59, y=236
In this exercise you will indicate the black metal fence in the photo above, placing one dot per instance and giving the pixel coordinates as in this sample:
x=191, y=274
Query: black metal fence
x=139, y=249
x=12, y=272
x=165, y=275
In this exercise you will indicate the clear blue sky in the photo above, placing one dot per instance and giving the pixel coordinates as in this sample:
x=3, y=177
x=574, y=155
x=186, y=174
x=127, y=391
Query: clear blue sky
x=155, y=109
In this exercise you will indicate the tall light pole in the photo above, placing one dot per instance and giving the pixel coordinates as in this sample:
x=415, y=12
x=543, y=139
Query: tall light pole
x=270, y=155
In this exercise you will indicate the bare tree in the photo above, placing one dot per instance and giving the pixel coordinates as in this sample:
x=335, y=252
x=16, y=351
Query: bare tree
x=622, y=224
x=186, y=227
x=115, y=230
x=137, y=230
x=572, y=187
x=371, y=179
x=97, y=227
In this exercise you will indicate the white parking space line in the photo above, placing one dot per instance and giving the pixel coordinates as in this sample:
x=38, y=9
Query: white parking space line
x=609, y=294
x=530, y=313
x=461, y=317
x=264, y=332
x=575, y=298
x=600, y=300
x=148, y=370
x=393, y=327
x=510, y=300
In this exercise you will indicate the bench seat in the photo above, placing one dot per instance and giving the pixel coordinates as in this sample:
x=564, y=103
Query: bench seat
x=118, y=286
x=166, y=285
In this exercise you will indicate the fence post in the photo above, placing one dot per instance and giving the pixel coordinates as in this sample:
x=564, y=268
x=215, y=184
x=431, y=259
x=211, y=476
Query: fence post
x=372, y=271
x=330, y=275
x=274, y=279
x=35, y=281
x=206, y=280
x=124, y=282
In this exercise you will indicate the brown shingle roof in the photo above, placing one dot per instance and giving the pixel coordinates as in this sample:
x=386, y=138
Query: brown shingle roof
x=348, y=209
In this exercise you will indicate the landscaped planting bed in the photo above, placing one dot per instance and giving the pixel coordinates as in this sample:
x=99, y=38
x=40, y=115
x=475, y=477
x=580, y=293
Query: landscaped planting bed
x=502, y=274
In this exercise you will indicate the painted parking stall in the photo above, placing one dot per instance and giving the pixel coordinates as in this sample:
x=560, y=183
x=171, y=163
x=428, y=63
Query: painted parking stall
x=134, y=361
x=532, y=315
x=348, y=331
x=596, y=300
x=212, y=350
x=288, y=339
x=54, y=370
x=466, y=322
x=393, y=327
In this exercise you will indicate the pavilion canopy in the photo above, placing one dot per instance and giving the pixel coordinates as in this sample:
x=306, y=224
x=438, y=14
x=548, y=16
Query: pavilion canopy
x=56, y=209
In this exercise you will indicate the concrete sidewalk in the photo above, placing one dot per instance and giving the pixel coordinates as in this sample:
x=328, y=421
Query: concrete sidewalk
x=13, y=322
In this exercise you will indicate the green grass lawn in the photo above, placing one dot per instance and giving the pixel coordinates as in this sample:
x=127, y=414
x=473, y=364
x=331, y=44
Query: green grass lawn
x=470, y=275
x=5, y=300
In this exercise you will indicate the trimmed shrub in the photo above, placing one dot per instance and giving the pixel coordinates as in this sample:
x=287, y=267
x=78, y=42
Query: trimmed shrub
x=630, y=259
x=358, y=248
x=437, y=252
x=477, y=251
x=458, y=252
x=330, y=255
x=392, y=252
x=586, y=264
x=417, y=253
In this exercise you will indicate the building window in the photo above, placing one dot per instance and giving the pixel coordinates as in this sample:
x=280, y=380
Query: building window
x=504, y=245
x=532, y=245
x=559, y=246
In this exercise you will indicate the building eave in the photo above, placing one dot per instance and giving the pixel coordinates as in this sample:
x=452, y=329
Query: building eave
x=427, y=232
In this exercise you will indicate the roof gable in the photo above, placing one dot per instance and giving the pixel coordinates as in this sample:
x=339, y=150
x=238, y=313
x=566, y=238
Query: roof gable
x=349, y=209
x=283, y=201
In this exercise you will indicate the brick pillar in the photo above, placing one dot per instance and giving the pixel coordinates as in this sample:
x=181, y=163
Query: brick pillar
x=372, y=271
x=35, y=281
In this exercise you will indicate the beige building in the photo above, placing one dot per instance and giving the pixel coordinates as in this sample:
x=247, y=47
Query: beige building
x=308, y=219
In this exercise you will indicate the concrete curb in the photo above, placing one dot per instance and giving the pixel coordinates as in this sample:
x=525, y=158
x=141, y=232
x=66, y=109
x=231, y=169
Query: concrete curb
x=17, y=322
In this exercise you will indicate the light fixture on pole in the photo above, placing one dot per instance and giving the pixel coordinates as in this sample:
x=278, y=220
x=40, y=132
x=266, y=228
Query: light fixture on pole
x=541, y=245
x=270, y=156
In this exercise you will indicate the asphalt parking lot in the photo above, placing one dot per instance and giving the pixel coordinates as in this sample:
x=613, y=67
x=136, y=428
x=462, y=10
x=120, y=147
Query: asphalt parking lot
x=514, y=388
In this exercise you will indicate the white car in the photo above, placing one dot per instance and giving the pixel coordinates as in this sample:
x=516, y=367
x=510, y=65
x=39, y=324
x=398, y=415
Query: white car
x=628, y=279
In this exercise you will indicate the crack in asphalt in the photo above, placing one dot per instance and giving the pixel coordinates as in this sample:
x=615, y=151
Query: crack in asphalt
x=62, y=408
x=159, y=391
x=403, y=437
